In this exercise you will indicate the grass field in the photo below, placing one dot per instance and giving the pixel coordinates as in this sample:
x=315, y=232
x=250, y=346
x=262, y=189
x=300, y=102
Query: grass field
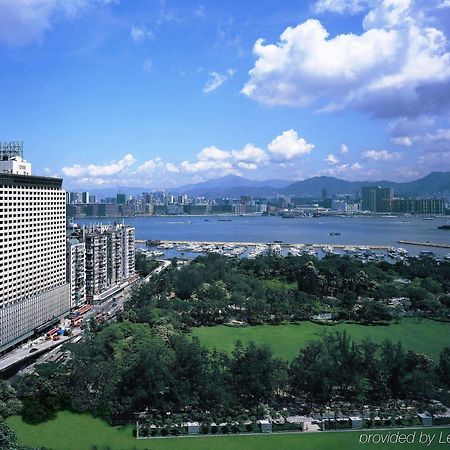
x=423, y=336
x=71, y=431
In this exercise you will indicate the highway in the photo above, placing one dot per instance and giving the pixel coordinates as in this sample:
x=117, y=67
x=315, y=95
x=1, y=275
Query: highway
x=111, y=306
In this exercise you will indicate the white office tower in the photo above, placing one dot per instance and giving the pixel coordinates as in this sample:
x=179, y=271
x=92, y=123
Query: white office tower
x=34, y=292
x=76, y=272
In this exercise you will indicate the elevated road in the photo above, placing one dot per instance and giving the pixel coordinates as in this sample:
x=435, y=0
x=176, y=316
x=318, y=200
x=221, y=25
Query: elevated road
x=111, y=305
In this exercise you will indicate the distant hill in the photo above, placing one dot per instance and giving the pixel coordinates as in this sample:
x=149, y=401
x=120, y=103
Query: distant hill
x=232, y=186
x=228, y=184
x=435, y=183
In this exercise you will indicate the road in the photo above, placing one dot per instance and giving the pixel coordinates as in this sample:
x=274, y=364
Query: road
x=111, y=306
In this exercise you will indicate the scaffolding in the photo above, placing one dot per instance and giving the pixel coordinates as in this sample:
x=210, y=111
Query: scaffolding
x=10, y=150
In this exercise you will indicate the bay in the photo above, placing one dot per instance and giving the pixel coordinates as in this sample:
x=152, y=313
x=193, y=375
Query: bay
x=359, y=230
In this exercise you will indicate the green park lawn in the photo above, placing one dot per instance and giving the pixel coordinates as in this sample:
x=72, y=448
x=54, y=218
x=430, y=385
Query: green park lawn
x=423, y=336
x=70, y=431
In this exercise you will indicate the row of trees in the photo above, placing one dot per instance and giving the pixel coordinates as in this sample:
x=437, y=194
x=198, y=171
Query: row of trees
x=213, y=290
x=129, y=368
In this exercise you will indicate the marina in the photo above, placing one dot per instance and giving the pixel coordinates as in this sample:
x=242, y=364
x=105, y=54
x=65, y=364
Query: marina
x=187, y=237
x=192, y=249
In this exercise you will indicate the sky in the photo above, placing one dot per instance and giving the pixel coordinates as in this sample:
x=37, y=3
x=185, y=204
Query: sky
x=159, y=93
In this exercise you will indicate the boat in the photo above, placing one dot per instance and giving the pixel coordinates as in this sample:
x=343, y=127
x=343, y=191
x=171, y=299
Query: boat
x=444, y=227
x=224, y=220
x=278, y=242
x=428, y=218
x=288, y=215
x=334, y=233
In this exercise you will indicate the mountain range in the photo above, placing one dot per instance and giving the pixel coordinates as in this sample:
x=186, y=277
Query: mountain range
x=435, y=183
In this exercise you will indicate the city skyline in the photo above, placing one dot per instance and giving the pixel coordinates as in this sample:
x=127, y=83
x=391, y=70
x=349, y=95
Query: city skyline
x=164, y=93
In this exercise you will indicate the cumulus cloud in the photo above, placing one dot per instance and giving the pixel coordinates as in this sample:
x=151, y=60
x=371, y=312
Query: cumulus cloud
x=288, y=145
x=246, y=165
x=212, y=153
x=216, y=79
x=139, y=34
x=172, y=168
x=444, y=4
x=106, y=170
x=150, y=165
x=207, y=165
x=382, y=155
x=343, y=149
x=250, y=153
x=349, y=171
x=341, y=6
x=331, y=159
x=25, y=21
x=398, y=65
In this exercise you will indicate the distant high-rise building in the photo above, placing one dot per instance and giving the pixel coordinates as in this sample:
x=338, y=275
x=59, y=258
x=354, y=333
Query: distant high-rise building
x=324, y=194
x=85, y=197
x=121, y=199
x=34, y=292
x=375, y=198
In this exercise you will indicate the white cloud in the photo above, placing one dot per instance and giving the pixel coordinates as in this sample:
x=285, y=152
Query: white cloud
x=341, y=6
x=200, y=11
x=172, y=168
x=25, y=21
x=246, y=165
x=93, y=170
x=350, y=171
x=216, y=80
x=250, y=153
x=140, y=34
x=147, y=65
x=331, y=159
x=212, y=153
x=343, y=149
x=397, y=66
x=207, y=165
x=381, y=155
x=441, y=134
x=402, y=140
x=288, y=145
x=150, y=165
x=444, y=4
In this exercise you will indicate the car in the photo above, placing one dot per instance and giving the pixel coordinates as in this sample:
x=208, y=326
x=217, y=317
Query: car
x=34, y=349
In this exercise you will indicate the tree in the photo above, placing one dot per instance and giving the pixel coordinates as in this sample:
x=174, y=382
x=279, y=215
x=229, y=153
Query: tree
x=256, y=375
x=444, y=367
x=310, y=374
x=9, y=403
x=308, y=279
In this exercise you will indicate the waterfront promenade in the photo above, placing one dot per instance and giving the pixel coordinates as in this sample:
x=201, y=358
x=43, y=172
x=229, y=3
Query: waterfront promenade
x=287, y=244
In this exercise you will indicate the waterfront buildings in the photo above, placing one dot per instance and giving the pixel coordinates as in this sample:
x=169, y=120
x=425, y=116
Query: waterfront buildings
x=375, y=198
x=34, y=291
x=427, y=206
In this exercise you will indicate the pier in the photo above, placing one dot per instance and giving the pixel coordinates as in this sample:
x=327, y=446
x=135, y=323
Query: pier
x=424, y=244
x=254, y=244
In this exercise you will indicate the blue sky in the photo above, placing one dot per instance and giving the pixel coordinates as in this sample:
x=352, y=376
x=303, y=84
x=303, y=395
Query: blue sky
x=160, y=93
